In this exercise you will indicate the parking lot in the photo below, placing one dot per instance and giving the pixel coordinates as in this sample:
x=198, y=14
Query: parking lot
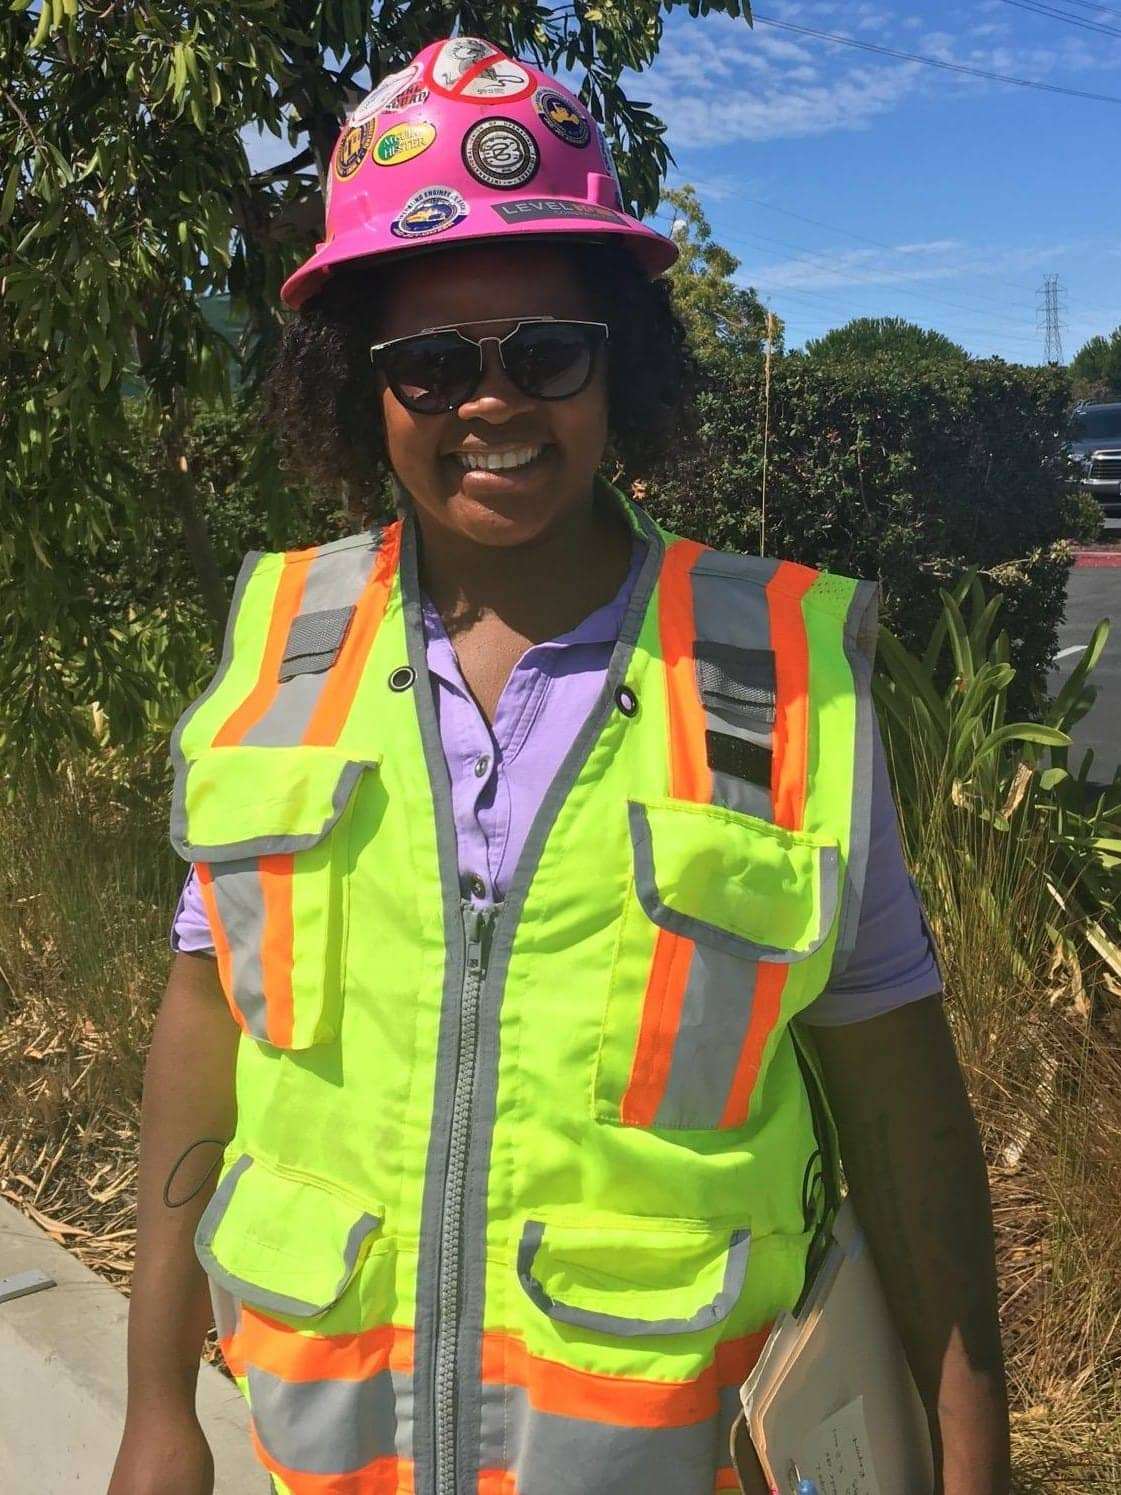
x=1094, y=593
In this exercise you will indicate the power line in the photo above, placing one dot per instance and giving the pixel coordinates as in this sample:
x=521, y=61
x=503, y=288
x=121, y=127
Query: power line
x=1064, y=15
x=1105, y=10
x=1050, y=318
x=948, y=67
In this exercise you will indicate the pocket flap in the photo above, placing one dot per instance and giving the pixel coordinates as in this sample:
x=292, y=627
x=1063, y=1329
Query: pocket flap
x=633, y=1277
x=243, y=802
x=281, y=1243
x=734, y=881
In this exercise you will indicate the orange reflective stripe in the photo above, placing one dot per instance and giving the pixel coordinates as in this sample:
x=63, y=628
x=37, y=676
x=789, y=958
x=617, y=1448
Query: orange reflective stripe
x=334, y=703
x=222, y=952
x=690, y=778
x=785, y=591
x=657, y=1034
x=286, y=605
x=234, y=1363
x=727, y=1479
x=274, y=874
x=293, y=1355
x=386, y=1476
x=690, y=775
x=624, y=1401
x=770, y=980
x=496, y=1482
x=735, y=1357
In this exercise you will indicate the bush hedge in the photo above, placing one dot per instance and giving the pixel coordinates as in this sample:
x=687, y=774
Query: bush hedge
x=905, y=473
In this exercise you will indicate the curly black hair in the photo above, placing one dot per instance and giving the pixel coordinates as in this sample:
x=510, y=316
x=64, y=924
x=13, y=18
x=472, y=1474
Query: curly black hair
x=321, y=395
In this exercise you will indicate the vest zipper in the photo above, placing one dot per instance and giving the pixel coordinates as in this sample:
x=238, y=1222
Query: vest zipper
x=478, y=924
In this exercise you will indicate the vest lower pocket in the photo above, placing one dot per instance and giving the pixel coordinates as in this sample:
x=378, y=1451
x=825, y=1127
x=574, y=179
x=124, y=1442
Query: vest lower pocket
x=632, y=1335
x=303, y=1280
x=268, y=830
x=722, y=907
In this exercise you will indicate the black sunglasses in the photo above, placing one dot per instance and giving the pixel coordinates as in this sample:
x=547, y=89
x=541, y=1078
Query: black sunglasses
x=434, y=371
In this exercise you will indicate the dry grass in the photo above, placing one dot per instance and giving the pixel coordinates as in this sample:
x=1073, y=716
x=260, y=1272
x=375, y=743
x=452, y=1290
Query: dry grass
x=87, y=887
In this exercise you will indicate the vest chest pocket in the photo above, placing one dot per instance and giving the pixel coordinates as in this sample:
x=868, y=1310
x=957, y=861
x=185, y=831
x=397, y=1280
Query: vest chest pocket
x=269, y=832
x=722, y=907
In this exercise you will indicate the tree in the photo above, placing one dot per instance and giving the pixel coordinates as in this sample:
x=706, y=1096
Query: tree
x=126, y=199
x=719, y=315
x=865, y=337
x=1096, y=368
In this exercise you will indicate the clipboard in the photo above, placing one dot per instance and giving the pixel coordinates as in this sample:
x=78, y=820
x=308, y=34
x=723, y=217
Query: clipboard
x=831, y=1396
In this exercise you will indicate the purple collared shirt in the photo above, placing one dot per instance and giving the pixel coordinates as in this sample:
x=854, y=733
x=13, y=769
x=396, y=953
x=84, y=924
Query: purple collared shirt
x=499, y=774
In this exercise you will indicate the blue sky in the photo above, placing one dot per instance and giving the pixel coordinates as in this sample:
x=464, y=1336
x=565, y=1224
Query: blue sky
x=937, y=197
x=971, y=191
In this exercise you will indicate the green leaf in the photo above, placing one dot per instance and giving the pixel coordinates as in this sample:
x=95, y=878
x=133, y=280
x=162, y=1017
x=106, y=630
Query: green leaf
x=8, y=201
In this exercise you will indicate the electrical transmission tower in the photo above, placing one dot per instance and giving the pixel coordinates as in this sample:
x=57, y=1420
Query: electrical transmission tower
x=1050, y=318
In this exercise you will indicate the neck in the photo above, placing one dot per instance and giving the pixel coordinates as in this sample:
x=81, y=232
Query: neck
x=539, y=589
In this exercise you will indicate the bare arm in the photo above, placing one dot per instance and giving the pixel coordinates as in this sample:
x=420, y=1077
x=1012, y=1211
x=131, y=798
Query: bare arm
x=188, y=1095
x=917, y=1178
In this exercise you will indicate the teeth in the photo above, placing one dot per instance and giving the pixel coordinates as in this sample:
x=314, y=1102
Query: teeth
x=494, y=461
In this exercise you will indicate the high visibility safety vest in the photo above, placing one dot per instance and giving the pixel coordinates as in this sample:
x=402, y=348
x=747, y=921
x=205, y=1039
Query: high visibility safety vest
x=513, y=1198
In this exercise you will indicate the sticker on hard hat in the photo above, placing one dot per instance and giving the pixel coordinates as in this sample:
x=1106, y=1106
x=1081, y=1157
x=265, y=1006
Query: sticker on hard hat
x=352, y=150
x=458, y=57
x=527, y=209
x=403, y=143
x=387, y=89
x=609, y=164
x=467, y=68
x=429, y=211
x=566, y=123
x=408, y=98
x=500, y=153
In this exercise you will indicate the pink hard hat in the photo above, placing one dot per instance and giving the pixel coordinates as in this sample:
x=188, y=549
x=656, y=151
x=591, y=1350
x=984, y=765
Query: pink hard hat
x=466, y=143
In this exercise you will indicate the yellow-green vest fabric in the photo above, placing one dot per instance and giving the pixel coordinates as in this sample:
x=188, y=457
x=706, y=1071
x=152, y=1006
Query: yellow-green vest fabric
x=512, y=1200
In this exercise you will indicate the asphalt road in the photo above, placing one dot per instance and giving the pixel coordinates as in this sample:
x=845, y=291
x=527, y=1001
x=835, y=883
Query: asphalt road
x=1094, y=592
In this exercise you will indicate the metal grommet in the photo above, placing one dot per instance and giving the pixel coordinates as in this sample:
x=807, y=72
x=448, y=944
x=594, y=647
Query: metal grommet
x=626, y=700
x=402, y=678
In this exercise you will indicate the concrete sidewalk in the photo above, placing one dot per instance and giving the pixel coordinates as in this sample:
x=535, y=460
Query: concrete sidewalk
x=62, y=1380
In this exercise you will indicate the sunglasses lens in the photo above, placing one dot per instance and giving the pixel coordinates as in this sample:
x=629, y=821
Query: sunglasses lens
x=432, y=373
x=550, y=360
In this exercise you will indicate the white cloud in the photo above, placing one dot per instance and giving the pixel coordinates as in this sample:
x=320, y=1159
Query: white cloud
x=941, y=259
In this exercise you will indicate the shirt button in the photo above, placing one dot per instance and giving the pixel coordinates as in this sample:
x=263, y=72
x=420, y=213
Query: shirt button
x=482, y=766
x=477, y=886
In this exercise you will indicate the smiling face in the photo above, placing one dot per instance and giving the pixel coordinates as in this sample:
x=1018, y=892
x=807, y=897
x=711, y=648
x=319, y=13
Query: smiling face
x=436, y=457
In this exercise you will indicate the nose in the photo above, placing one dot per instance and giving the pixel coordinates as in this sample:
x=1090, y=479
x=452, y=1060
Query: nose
x=497, y=399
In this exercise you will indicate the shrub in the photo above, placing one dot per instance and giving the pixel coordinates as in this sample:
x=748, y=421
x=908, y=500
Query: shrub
x=903, y=473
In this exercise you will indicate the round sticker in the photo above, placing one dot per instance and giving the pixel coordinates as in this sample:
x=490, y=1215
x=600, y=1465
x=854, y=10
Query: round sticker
x=557, y=113
x=402, y=143
x=352, y=150
x=457, y=57
x=500, y=153
x=429, y=211
x=503, y=79
x=376, y=100
x=410, y=96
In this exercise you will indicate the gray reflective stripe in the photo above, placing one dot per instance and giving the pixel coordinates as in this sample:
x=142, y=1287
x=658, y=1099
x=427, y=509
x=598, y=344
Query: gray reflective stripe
x=860, y=635
x=571, y=1456
x=260, y=846
x=715, y=1013
x=730, y=1409
x=472, y=1273
x=739, y=794
x=730, y=613
x=336, y=578
x=178, y=817
x=646, y=889
x=259, y=1295
x=708, y=1314
x=504, y=1413
x=227, y=1311
x=324, y=1427
x=737, y=679
x=241, y=909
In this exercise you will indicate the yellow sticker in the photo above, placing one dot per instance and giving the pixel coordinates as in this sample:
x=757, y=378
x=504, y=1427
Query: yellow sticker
x=352, y=150
x=403, y=143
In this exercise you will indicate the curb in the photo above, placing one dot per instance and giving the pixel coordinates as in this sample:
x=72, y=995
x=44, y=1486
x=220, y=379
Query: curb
x=62, y=1367
x=1085, y=558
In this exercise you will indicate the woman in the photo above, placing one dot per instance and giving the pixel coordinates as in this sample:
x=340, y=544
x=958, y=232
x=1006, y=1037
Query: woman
x=531, y=843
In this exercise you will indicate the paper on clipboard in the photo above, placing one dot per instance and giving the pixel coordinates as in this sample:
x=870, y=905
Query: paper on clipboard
x=838, y=1456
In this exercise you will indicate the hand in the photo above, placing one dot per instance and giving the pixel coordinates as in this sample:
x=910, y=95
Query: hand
x=163, y=1453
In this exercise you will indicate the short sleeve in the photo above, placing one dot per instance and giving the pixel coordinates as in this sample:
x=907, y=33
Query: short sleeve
x=895, y=959
x=190, y=928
